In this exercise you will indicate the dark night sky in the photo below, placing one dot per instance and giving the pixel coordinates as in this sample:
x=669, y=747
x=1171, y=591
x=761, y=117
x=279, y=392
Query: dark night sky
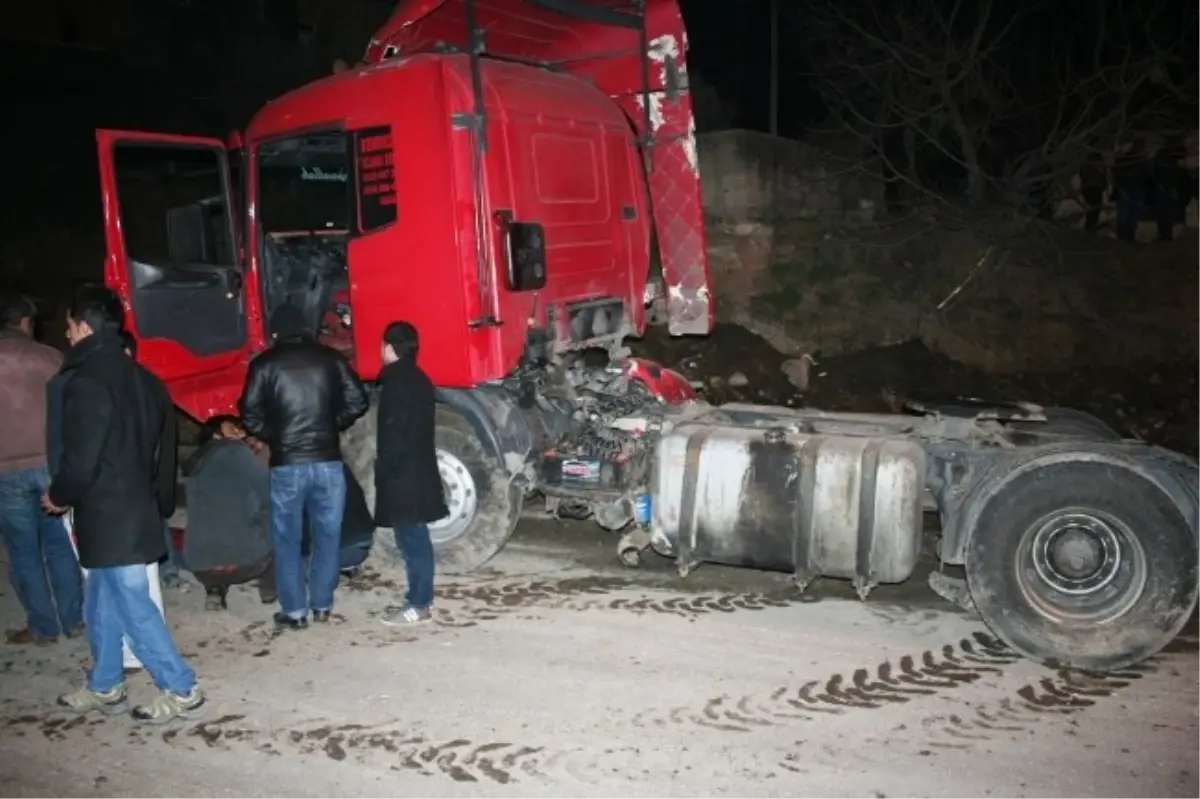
x=61, y=95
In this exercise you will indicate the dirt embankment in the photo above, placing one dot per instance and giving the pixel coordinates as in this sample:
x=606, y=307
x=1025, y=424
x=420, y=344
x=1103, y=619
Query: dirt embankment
x=996, y=292
x=1153, y=401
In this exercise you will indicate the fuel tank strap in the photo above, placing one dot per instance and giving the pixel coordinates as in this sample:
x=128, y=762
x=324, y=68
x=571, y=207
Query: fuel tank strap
x=869, y=471
x=805, y=523
x=688, y=505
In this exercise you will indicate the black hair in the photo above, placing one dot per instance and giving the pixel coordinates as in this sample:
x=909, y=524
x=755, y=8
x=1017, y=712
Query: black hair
x=288, y=321
x=403, y=339
x=129, y=343
x=212, y=428
x=16, y=308
x=97, y=305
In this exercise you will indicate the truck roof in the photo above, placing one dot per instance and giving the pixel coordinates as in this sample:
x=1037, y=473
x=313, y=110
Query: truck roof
x=389, y=89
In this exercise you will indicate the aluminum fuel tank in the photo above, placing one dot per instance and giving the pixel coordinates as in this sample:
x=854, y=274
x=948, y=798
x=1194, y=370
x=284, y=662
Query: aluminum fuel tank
x=834, y=495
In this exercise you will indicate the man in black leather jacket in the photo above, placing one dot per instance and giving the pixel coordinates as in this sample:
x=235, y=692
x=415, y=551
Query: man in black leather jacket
x=299, y=396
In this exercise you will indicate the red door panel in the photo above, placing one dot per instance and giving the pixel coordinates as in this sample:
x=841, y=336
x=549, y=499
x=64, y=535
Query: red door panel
x=172, y=257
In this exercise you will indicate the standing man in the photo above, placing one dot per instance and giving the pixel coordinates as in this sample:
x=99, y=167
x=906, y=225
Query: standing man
x=408, y=485
x=117, y=473
x=299, y=397
x=42, y=565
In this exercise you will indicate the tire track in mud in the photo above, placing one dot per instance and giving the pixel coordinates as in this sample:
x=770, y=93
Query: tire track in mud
x=462, y=760
x=1064, y=692
x=466, y=605
x=887, y=683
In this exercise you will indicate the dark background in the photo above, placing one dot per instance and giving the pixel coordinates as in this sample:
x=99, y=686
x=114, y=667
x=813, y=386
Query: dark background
x=205, y=66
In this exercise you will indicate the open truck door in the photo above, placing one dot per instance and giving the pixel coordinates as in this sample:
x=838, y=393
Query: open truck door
x=172, y=255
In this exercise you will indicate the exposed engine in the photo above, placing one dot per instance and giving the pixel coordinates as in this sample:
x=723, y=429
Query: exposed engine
x=599, y=465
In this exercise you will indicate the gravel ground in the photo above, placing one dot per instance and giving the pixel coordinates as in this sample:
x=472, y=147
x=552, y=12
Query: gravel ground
x=555, y=673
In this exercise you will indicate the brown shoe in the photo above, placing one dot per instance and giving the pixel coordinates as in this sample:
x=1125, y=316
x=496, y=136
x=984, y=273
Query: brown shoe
x=23, y=637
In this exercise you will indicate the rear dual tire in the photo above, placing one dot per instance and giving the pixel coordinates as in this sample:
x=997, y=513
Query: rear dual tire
x=1083, y=564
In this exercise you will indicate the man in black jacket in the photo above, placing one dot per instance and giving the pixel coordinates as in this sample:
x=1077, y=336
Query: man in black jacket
x=408, y=485
x=299, y=397
x=117, y=471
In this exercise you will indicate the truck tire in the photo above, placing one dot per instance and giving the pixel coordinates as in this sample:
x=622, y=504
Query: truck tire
x=1069, y=423
x=1083, y=565
x=484, y=505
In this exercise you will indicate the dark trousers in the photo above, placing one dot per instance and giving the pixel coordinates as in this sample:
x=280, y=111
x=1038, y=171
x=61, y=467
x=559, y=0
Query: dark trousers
x=417, y=549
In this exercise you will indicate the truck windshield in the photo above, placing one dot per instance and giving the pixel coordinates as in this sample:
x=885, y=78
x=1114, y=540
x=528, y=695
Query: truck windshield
x=304, y=184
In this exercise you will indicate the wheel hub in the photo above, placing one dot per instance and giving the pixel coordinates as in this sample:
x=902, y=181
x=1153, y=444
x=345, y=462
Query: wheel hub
x=1077, y=553
x=462, y=498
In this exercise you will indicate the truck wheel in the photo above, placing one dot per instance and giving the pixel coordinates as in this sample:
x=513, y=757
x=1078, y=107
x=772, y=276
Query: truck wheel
x=1083, y=565
x=1068, y=422
x=484, y=506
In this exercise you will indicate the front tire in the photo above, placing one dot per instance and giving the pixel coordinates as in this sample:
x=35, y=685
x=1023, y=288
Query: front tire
x=484, y=505
x=1084, y=565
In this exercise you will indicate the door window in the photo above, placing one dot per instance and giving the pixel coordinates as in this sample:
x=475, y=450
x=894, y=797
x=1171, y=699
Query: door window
x=172, y=204
x=180, y=254
x=303, y=211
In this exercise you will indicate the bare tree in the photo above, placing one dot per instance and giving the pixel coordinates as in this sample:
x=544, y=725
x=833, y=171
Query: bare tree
x=1012, y=96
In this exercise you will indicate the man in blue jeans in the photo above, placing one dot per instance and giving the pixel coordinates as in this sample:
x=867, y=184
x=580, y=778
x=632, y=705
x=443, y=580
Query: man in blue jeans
x=42, y=565
x=117, y=473
x=299, y=397
x=408, y=484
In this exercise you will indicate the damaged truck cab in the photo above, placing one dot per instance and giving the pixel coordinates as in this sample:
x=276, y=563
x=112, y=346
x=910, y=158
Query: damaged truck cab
x=518, y=179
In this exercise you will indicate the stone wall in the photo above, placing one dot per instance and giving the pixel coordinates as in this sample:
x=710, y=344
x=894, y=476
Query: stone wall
x=748, y=176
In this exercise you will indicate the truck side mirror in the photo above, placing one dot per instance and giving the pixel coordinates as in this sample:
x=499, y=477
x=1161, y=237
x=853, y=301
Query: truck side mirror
x=524, y=253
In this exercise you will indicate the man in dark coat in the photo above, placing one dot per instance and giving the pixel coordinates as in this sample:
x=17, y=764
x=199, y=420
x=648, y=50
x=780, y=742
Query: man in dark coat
x=117, y=471
x=299, y=396
x=408, y=485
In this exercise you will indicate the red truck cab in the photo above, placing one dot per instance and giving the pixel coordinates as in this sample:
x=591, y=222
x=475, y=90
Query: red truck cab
x=503, y=205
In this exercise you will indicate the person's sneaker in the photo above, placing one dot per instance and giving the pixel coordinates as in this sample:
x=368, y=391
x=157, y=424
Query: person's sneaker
x=76, y=632
x=402, y=616
x=86, y=700
x=172, y=580
x=286, y=622
x=168, y=706
x=321, y=616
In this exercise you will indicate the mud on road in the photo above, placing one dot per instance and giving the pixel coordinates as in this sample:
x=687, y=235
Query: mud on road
x=555, y=672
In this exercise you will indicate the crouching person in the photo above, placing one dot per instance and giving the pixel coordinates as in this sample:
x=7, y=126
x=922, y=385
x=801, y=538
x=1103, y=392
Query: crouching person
x=228, y=537
x=408, y=485
x=117, y=472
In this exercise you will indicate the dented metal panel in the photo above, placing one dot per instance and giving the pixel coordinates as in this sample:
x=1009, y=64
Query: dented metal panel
x=816, y=504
